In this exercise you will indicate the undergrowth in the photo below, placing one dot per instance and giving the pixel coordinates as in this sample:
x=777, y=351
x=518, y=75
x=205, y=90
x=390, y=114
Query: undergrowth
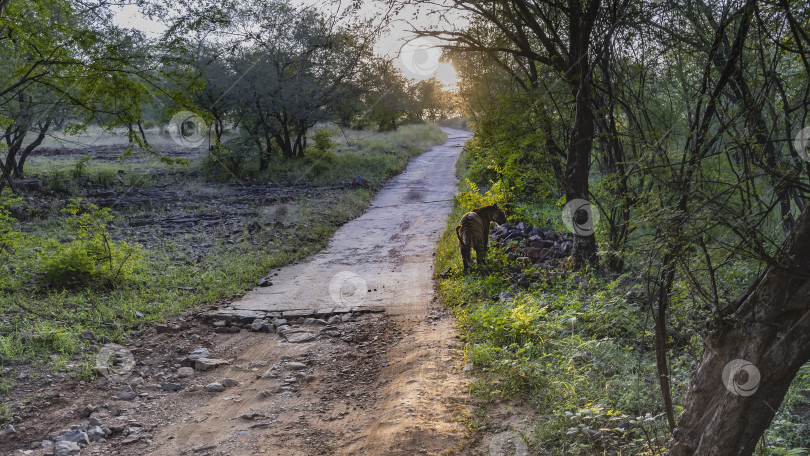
x=576, y=346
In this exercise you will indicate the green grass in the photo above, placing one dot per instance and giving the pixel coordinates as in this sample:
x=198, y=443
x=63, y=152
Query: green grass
x=37, y=322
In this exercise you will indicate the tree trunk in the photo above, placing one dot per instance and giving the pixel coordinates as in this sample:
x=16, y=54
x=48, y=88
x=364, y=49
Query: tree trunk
x=768, y=327
x=577, y=164
x=43, y=130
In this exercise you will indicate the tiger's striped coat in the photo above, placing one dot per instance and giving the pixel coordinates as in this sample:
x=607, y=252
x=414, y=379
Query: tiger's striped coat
x=473, y=232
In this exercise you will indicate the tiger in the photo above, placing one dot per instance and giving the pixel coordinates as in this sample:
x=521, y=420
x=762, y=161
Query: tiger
x=473, y=232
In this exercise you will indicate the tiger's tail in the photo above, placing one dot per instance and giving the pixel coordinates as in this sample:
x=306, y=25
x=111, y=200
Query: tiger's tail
x=458, y=235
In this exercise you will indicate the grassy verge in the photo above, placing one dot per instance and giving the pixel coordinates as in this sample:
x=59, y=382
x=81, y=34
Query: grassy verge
x=579, y=349
x=64, y=326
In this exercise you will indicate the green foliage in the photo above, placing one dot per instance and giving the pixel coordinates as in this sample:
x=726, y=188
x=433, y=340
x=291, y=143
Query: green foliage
x=80, y=167
x=229, y=161
x=324, y=145
x=90, y=257
x=472, y=198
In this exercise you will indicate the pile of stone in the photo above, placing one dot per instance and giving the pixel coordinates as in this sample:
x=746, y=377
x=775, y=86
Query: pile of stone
x=529, y=244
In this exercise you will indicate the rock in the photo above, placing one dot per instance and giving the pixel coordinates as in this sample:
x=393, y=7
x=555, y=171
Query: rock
x=198, y=353
x=170, y=387
x=95, y=421
x=164, y=329
x=280, y=322
x=359, y=182
x=46, y=444
x=66, y=448
x=220, y=324
x=582, y=358
x=227, y=382
x=95, y=433
x=334, y=320
x=468, y=367
x=222, y=330
x=282, y=329
x=88, y=410
x=537, y=254
x=185, y=372
x=195, y=388
x=116, y=429
x=299, y=337
x=296, y=366
x=346, y=317
x=215, y=387
x=88, y=335
x=265, y=283
x=261, y=326
x=204, y=364
x=127, y=396
x=505, y=296
x=76, y=436
x=131, y=438
x=235, y=329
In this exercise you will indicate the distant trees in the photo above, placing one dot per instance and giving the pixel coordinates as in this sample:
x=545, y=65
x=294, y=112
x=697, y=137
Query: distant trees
x=274, y=70
x=64, y=63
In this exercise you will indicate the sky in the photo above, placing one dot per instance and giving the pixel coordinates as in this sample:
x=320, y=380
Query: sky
x=418, y=59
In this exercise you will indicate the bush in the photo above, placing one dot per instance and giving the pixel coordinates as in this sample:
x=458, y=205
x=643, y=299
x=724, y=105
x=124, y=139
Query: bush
x=323, y=144
x=90, y=258
x=105, y=178
x=229, y=160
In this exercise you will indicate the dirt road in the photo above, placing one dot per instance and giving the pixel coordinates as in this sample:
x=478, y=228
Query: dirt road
x=381, y=377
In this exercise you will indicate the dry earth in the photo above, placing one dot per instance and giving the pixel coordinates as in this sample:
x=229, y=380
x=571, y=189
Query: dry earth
x=349, y=354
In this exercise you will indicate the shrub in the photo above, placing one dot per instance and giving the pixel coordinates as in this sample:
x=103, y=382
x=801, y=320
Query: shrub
x=229, y=159
x=323, y=144
x=105, y=178
x=90, y=257
x=58, y=180
x=80, y=167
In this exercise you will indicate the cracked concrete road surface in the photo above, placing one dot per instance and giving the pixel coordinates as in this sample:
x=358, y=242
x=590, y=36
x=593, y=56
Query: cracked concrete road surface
x=383, y=258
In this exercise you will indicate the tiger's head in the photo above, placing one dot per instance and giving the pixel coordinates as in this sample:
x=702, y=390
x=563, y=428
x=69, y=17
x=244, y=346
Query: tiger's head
x=500, y=215
x=494, y=213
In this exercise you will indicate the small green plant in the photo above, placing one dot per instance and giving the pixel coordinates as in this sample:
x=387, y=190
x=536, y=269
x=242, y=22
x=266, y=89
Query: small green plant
x=90, y=257
x=323, y=144
x=80, y=167
x=58, y=180
x=105, y=178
